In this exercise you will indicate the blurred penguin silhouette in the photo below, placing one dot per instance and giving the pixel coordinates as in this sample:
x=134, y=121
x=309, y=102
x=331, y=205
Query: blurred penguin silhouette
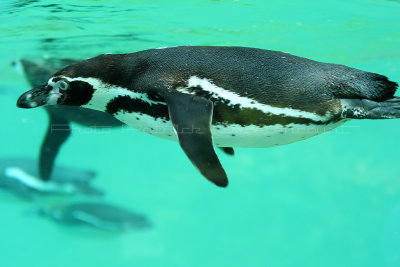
x=20, y=176
x=98, y=215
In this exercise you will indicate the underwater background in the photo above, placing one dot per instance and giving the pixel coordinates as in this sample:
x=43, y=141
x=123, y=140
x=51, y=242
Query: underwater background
x=332, y=200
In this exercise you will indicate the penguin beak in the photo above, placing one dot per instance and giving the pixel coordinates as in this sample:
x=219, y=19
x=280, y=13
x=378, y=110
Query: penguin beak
x=35, y=97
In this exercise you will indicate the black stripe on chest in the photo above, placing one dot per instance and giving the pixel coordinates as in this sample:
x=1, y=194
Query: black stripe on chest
x=136, y=105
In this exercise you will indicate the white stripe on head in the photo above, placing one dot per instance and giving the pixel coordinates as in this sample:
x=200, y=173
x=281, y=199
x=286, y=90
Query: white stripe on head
x=54, y=94
x=105, y=92
x=246, y=102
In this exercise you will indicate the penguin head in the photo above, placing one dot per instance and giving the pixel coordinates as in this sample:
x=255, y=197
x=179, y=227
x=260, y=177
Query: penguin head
x=75, y=84
x=59, y=90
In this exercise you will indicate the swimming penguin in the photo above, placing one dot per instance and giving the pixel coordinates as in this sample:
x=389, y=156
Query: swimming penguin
x=206, y=96
x=99, y=215
x=20, y=176
x=60, y=117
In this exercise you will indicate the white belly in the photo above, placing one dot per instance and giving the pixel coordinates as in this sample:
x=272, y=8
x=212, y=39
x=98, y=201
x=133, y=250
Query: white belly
x=233, y=135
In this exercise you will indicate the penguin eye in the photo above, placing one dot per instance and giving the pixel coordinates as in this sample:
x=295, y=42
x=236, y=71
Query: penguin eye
x=62, y=85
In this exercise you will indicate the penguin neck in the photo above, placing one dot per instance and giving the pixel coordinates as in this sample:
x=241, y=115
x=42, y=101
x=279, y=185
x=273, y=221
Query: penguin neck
x=105, y=93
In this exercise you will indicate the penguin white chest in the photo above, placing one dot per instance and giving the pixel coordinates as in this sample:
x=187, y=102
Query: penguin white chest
x=233, y=135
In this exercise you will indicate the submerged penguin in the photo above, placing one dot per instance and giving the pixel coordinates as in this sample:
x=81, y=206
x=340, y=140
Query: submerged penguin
x=206, y=96
x=60, y=117
x=20, y=177
x=99, y=215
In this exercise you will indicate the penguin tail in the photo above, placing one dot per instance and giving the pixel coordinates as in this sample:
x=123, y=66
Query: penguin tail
x=379, y=87
x=369, y=109
x=356, y=84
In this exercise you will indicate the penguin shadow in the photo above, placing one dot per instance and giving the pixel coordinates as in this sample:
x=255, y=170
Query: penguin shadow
x=68, y=199
x=93, y=219
x=19, y=177
x=31, y=180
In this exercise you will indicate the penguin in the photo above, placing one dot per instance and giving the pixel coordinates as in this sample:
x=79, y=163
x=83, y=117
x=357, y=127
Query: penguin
x=60, y=118
x=99, y=215
x=206, y=96
x=20, y=177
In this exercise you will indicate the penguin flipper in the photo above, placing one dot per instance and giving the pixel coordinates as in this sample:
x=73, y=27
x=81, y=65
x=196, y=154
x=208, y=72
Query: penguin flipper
x=228, y=150
x=191, y=117
x=51, y=144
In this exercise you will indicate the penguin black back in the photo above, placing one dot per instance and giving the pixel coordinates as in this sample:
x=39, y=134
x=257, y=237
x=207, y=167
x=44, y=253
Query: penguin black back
x=269, y=76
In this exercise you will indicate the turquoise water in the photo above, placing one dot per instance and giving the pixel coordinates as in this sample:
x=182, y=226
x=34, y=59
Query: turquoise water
x=332, y=200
